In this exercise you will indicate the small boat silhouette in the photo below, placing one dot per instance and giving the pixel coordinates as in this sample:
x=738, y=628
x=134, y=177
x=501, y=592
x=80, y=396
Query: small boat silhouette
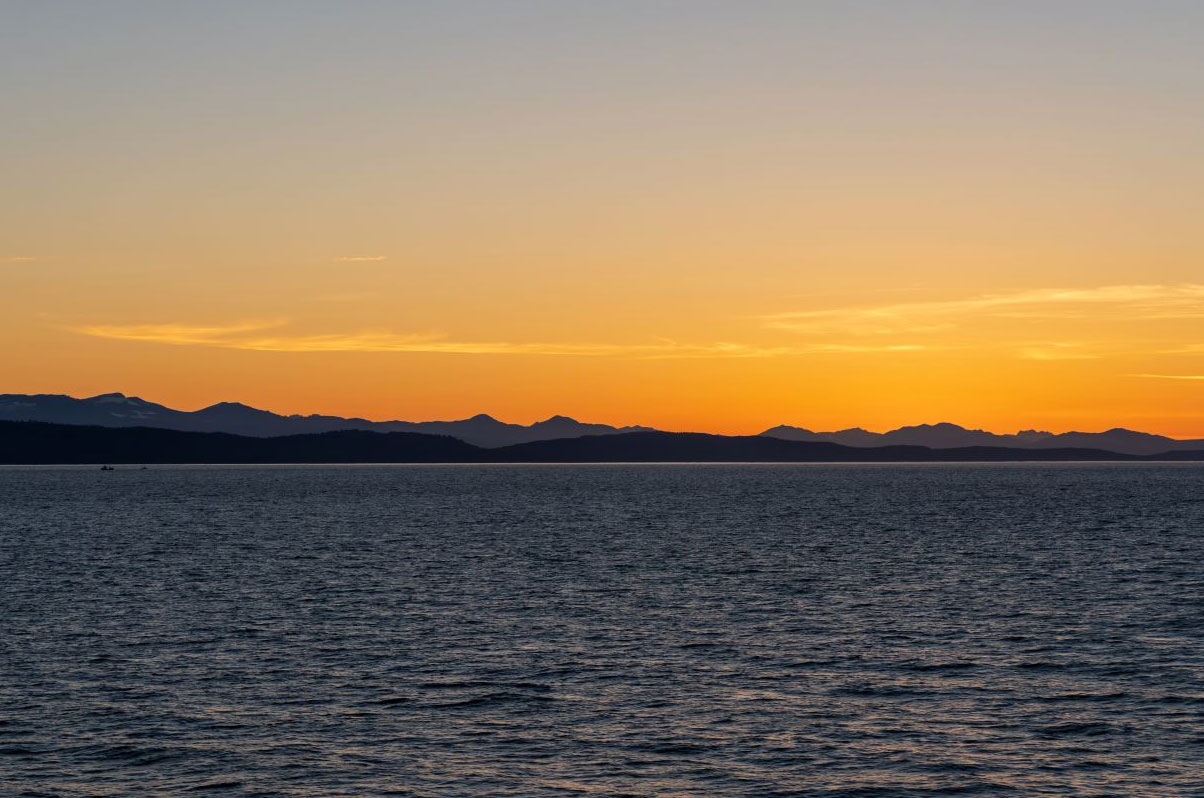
x=107, y=468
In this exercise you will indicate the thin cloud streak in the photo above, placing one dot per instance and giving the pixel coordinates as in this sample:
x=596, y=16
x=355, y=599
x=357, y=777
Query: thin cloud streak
x=179, y=334
x=21, y=259
x=1133, y=302
x=250, y=336
x=1170, y=376
x=360, y=258
x=1060, y=350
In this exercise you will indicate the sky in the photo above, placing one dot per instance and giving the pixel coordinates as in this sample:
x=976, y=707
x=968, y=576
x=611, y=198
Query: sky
x=716, y=216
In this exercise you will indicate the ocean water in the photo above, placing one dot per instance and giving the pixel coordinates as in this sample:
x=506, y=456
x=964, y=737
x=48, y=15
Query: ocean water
x=652, y=630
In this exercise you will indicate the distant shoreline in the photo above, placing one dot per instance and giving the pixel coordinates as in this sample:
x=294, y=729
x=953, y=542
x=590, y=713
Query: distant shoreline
x=38, y=443
x=784, y=463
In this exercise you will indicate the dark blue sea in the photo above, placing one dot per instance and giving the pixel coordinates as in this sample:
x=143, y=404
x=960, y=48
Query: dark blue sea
x=650, y=630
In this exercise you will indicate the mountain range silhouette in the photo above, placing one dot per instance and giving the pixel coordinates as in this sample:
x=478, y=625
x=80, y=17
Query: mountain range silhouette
x=119, y=410
x=234, y=418
x=947, y=436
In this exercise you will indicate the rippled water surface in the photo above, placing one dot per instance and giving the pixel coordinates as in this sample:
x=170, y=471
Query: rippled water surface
x=603, y=630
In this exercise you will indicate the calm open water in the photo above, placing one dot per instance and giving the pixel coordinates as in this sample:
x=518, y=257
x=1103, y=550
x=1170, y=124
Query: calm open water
x=761, y=631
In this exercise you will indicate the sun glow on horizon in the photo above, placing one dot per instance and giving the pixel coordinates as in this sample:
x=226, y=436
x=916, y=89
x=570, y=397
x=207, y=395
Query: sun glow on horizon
x=723, y=218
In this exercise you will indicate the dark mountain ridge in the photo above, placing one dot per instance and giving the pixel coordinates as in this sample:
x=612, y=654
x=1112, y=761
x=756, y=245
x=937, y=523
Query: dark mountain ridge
x=695, y=447
x=33, y=443
x=945, y=435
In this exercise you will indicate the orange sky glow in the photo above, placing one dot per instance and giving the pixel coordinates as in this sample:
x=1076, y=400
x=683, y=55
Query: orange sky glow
x=707, y=216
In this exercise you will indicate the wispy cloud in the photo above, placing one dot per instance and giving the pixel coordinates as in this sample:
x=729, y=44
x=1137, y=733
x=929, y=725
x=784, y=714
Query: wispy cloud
x=1132, y=302
x=213, y=335
x=1061, y=350
x=679, y=350
x=1170, y=376
x=258, y=336
x=20, y=259
x=359, y=258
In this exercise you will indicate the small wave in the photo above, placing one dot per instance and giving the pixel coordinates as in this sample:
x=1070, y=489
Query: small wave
x=490, y=700
x=675, y=749
x=1189, y=700
x=17, y=750
x=133, y=755
x=927, y=667
x=1077, y=729
x=1083, y=697
x=884, y=691
x=478, y=684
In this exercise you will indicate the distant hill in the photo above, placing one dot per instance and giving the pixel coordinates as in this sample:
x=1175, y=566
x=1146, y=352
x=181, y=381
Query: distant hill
x=119, y=410
x=946, y=436
x=644, y=447
x=30, y=442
